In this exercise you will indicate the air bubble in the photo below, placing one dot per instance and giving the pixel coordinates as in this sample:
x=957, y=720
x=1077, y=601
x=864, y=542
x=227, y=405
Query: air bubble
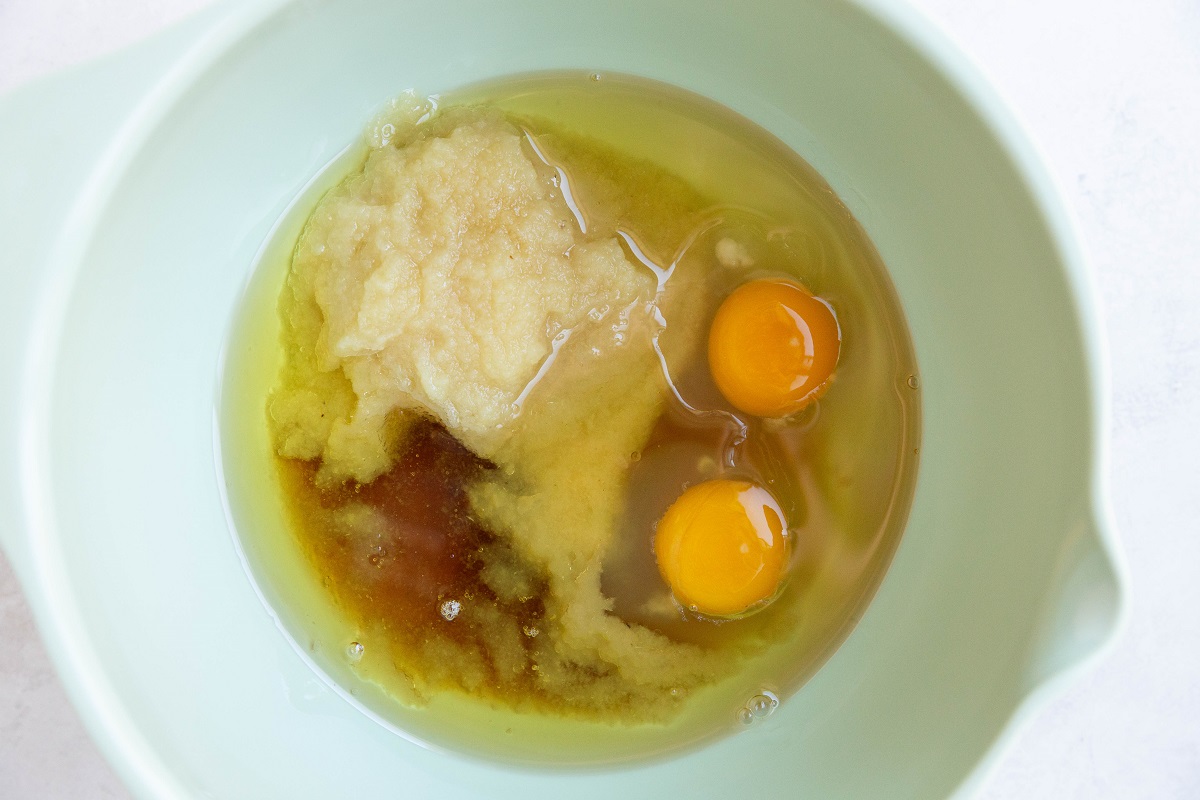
x=912, y=382
x=762, y=705
x=355, y=651
x=595, y=76
x=530, y=631
x=635, y=456
x=450, y=609
x=758, y=707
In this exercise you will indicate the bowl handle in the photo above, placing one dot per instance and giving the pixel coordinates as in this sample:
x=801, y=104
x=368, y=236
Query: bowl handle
x=55, y=133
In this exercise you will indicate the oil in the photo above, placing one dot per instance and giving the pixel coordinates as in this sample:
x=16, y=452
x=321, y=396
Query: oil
x=687, y=186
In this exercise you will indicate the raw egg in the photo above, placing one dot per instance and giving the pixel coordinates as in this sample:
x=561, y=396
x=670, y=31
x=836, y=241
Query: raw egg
x=773, y=347
x=722, y=547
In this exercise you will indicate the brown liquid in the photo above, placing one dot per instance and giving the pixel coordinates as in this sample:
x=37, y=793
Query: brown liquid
x=420, y=551
x=418, y=548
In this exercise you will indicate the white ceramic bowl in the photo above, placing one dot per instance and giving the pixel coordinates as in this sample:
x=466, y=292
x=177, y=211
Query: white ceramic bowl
x=138, y=189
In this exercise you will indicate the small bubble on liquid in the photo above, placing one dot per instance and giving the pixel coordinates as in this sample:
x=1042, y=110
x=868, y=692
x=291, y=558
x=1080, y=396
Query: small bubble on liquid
x=595, y=76
x=635, y=456
x=744, y=716
x=355, y=651
x=531, y=632
x=373, y=558
x=450, y=609
x=912, y=382
x=761, y=705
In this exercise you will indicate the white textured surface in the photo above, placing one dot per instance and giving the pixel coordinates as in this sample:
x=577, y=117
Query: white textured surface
x=1110, y=90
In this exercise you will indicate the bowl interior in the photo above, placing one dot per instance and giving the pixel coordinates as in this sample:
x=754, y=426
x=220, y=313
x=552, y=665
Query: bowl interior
x=998, y=584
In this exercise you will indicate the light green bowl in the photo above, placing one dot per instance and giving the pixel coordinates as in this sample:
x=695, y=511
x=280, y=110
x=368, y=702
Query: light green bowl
x=137, y=190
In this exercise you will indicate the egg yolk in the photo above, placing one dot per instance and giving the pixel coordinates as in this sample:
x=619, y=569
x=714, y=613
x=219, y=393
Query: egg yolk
x=722, y=547
x=773, y=347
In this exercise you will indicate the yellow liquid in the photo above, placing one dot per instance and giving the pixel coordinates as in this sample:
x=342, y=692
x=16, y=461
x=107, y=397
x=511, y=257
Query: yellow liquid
x=843, y=470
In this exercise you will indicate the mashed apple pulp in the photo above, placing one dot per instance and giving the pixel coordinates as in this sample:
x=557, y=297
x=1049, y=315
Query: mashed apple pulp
x=494, y=385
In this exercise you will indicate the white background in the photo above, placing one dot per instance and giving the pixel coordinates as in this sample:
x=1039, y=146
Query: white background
x=1110, y=91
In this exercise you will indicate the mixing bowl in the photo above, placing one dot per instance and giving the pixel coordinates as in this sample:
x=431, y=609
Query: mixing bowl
x=138, y=190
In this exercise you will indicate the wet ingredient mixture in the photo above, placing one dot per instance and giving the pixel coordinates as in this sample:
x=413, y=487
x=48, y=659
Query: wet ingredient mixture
x=572, y=433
